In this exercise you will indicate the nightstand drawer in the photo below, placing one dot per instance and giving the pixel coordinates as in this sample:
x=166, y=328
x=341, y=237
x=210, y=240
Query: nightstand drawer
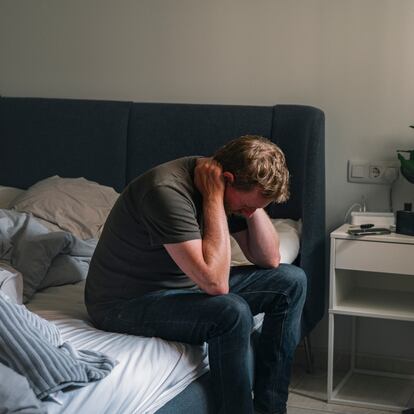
x=374, y=256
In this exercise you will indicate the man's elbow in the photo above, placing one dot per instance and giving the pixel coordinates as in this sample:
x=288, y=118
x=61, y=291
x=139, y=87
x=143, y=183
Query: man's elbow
x=218, y=291
x=217, y=288
x=216, y=282
x=274, y=263
x=271, y=262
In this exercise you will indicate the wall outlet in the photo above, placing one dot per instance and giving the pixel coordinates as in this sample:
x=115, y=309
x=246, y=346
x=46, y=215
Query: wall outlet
x=373, y=172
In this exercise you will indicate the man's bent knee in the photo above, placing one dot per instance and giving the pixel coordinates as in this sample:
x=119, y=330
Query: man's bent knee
x=235, y=314
x=294, y=280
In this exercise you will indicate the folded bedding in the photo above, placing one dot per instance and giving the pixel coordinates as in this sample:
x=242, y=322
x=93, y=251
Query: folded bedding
x=33, y=347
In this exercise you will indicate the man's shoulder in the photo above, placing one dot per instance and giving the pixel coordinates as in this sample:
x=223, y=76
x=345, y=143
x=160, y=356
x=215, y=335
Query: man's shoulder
x=172, y=179
x=168, y=172
x=177, y=174
x=183, y=165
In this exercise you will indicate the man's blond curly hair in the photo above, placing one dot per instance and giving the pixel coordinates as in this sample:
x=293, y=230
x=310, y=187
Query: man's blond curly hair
x=256, y=161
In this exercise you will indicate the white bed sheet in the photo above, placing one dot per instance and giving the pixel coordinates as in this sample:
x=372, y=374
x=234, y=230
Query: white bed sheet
x=150, y=372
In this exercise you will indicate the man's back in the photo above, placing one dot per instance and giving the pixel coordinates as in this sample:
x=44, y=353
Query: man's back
x=160, y=206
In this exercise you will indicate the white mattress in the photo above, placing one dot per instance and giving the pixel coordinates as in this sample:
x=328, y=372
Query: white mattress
x=150, y=371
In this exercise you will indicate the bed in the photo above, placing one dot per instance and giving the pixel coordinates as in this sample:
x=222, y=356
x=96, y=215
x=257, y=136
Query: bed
x=104, y=145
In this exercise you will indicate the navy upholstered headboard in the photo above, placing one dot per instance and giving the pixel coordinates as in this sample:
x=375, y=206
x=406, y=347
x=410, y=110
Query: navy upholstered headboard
x=113, y=142
x=70, y=138
x=161, y=132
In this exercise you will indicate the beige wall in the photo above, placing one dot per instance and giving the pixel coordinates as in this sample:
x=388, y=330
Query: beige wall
x=352, y=58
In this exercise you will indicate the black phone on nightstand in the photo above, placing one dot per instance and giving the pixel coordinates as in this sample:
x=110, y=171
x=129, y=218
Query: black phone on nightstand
x=367, y=232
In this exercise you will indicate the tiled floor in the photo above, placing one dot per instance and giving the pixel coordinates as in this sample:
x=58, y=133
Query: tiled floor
x=308, y=395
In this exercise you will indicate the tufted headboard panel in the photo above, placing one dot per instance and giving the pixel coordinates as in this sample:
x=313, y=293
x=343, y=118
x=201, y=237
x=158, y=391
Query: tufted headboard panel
x=300, y=131
x=162, y=132
x=66, y=137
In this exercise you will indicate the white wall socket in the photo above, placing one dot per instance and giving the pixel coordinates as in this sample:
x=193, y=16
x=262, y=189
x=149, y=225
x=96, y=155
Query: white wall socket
x=373, y=172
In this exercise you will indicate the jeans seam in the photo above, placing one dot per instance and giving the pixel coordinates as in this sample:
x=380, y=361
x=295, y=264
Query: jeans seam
x=275, y=393
x=223, y=400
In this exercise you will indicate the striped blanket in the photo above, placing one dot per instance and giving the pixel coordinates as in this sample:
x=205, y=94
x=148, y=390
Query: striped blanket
x=33, y=347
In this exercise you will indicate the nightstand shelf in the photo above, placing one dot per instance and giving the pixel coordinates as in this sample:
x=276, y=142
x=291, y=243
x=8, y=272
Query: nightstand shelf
x=377, y=303
x=370, y=277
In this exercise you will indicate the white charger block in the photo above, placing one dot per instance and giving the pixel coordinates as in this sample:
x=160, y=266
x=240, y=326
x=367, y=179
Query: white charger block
x=380, y=219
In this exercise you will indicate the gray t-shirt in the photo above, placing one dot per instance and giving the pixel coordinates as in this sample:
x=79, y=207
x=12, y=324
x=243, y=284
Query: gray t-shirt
x=161, y=206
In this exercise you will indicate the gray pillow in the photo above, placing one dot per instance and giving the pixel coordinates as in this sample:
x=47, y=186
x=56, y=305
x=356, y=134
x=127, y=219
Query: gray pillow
x=76, y=205
x=15, y=394
x=8, y=195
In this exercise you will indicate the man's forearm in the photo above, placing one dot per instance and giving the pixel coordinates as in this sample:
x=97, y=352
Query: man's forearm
x=263, y=240
x=216, y=244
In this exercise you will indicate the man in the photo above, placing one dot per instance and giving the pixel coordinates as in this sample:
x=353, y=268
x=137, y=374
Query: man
x=162, y=268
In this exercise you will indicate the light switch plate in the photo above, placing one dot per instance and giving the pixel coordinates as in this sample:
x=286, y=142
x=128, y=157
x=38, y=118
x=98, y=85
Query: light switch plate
x=373, y=172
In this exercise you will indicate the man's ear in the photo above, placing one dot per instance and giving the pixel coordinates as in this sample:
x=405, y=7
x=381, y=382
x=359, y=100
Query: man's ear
x=228, y=177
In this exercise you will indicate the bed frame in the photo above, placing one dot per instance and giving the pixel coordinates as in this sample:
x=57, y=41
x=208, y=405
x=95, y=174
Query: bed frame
x=113, y=142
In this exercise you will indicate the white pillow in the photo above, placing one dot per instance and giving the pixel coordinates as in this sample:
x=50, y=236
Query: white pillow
x=8, y=195
x=11, y=283
x=289, y=234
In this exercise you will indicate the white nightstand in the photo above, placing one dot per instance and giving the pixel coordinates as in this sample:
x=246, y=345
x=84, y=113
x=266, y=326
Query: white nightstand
x=370, y=277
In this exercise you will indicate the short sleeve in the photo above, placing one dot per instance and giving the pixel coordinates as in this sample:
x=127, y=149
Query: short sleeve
x=169, y=216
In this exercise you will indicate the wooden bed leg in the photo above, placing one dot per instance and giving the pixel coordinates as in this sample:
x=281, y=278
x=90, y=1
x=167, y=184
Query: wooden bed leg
x=309, y=356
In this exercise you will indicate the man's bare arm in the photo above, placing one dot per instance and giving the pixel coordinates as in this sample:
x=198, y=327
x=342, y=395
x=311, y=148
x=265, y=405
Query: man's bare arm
x=207, y=261
x=260, y=241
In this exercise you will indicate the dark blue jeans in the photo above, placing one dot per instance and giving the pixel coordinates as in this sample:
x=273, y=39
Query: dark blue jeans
x=225, y=322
